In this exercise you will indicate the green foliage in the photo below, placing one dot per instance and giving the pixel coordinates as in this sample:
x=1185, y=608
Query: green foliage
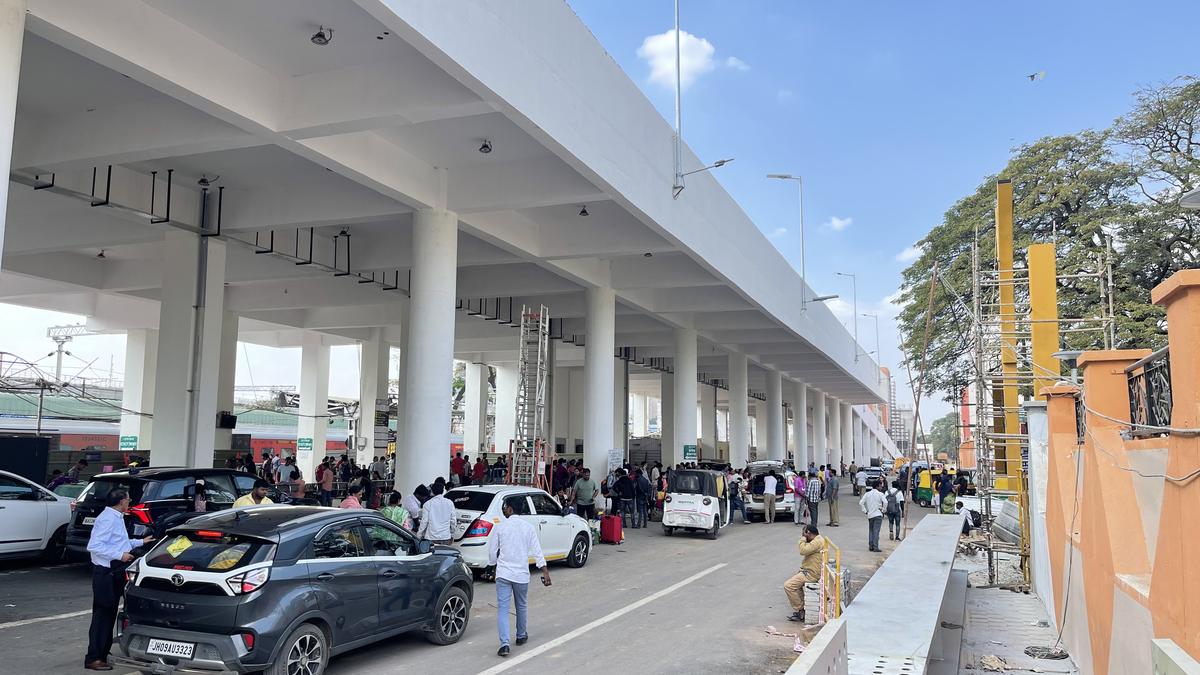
x=943, y=435
x=1084, y=192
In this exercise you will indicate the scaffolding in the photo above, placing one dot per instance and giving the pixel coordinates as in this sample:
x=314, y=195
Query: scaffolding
x=528, y=456
x=1015, y=338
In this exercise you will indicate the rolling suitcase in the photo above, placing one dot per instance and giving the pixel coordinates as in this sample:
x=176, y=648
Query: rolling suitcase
x=610, y=530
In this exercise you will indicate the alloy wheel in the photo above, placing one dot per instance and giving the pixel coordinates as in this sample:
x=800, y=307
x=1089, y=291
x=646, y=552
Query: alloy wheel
x=580, y=552
x=305, y=656
x=453, y=617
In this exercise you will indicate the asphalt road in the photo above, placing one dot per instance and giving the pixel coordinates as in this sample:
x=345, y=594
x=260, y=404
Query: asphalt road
x=653, y=604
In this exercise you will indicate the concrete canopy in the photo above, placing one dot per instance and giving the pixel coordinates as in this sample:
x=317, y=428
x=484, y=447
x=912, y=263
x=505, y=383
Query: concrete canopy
x=356, y=135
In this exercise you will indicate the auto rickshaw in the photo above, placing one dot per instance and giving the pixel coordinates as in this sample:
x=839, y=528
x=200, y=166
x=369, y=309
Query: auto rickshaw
x=696, y=500
x=927, y=485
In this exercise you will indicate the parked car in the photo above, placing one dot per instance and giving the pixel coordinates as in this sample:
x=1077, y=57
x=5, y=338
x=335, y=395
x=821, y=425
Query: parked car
x=563, y=536
x=785, y=498
x=33, y=521
x=283, y=589
x=161, y=497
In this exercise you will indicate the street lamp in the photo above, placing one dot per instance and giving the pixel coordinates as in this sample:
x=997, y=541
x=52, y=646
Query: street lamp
x=878, y=353
x=803, y=275
x=854, y=283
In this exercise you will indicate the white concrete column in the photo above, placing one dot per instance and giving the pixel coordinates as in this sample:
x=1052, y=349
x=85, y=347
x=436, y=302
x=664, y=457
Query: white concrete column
x=638, y=402
x=775, y=439
x=620, y=403
x=475, y=414
x=424, y=453
x=820, y=448
x=508, y=380
x=402, y=384
x=801, y=425
x=599, y=372
x=141, y=358
x=191, y=309
x=739, y=409
x=834, y=427
x=373, y=362
x=708, y=421
x=847, y=434
x=685, y=393
x=313, y=426
x=760, y=431
x=226, y=377
x=666, y=423
x=12, y=35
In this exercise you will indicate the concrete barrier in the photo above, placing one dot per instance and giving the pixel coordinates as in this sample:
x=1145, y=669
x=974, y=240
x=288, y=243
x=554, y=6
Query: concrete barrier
x=826, y=654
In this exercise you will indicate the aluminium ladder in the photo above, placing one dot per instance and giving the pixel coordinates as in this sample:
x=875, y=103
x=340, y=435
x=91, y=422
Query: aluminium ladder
x=528, y=458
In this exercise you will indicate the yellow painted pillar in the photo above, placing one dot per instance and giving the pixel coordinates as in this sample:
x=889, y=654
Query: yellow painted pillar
x=1011, y=466
x=1043, y=312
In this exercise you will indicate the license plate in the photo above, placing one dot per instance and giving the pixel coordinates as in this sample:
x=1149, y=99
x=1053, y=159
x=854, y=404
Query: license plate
x=89, y=521
x=183, y=650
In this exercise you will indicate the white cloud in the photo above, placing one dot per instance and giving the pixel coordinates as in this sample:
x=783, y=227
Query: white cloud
x=784, y=95
x=841, y=308
x=909, y=254
x=695, y=58
x=737, y=64
x=838, y=224
x=778, y=232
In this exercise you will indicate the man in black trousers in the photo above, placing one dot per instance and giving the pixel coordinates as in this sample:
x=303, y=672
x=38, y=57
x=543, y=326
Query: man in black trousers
x=110, y=548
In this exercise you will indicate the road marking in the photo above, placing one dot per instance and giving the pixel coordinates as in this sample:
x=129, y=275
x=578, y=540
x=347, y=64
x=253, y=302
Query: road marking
x=563, y=639
x=40, y=619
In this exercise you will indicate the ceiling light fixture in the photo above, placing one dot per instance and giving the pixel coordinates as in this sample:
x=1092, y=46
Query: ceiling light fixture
x=323, y=36
x=101, y=255
x=647, y=254
x=486, y=147
x=584, y=212
x=205, y=181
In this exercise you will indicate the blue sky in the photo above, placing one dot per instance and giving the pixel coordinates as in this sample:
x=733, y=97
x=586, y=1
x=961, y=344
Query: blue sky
x=891, y=111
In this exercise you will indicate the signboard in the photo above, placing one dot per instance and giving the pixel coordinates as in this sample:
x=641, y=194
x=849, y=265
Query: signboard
x=616, y=457
x=382, y=409
x=128, y=443
x=689, y=453
x=304, y=451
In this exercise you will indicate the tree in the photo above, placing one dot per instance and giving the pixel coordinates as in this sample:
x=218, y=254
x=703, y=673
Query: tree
x=944, y=436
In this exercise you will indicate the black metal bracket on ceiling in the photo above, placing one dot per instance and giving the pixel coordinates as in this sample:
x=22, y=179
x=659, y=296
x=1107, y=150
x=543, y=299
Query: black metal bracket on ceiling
x=107, y=187
x=508, y=318
x=259, y=250
x=153, y=184
x=556, y=329
x=337, y=236
x=364, y=280
x=220, y=207
x=311, y=236
x=38, y=185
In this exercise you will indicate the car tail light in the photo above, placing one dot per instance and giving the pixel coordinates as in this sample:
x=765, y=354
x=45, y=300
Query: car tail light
x=707, y=501
x=667, y=499
x=73, y=502
x=142, y=513
x=479, y=528
x=248, y=640
x=131, y=572
x=788, y=489
x=211, y=534
x=248, y=582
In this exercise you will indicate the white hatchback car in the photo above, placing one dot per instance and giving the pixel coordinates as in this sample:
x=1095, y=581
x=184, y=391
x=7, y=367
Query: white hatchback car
x=33, y=521
x=785, y=497
x=477, y=509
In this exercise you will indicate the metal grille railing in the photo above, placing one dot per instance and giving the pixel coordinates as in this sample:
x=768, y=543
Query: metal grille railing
x=1150, y=392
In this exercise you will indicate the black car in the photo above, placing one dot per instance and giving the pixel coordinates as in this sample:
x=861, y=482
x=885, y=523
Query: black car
x=282, y=589
x=160, y=497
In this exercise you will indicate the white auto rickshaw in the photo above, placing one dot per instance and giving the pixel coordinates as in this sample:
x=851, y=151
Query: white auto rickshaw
x=696, y=500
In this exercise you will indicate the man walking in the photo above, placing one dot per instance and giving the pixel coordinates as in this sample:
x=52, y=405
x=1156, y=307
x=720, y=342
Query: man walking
x=812, y=495
x=644, y=492
x=624, y=492
x=437, y=517
x=831, y=494
x=512, y=545
x=872, y=503
x=737, y=497
x=769, y=496
x=586, y=490
x=811, y=546
x=109, y=547
x=894, y=509
x=799, y=498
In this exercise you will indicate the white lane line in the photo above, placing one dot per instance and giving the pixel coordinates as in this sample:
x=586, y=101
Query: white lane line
x=563, y=639
x=56, y=617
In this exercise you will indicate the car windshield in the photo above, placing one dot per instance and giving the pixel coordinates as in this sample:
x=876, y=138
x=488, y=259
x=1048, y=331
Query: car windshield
x=100, y=487
x=470, y=500
x=208, y=551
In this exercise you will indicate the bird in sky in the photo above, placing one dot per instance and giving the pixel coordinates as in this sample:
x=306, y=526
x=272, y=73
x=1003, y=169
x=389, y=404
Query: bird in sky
x=1040, y=75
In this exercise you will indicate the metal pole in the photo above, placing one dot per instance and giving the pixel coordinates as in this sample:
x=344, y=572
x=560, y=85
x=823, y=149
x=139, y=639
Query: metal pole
x=58, y=361
x=803, y=269
x=41, y=396
x=854, y=287
x=678, y=107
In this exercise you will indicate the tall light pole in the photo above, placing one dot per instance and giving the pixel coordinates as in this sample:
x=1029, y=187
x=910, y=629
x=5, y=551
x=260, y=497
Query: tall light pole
x=878, y=353
x=803, y=275
x=678, y=110
x=854, y=286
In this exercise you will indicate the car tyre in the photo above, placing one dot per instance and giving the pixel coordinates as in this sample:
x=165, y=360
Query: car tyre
x=56, y=547
x=450, y=620
x=578, y=556
x=306, y=650
x=670, y=531
x=715, y=530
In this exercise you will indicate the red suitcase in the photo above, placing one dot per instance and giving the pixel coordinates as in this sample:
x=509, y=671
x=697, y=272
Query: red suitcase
x=610, y=530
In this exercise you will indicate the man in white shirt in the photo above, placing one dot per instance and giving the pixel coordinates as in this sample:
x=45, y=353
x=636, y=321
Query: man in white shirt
x=873, y=504
x=512, y=545
x=437, y=517
x=769, y=496
x=894, y=509
x=109, y=547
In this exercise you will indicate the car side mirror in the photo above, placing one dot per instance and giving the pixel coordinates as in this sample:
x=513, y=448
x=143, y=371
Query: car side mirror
x=424, y=546
x=567, y=511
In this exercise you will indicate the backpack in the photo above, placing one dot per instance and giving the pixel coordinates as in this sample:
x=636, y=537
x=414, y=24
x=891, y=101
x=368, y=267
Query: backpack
x=893, y=505
x=735, y=488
